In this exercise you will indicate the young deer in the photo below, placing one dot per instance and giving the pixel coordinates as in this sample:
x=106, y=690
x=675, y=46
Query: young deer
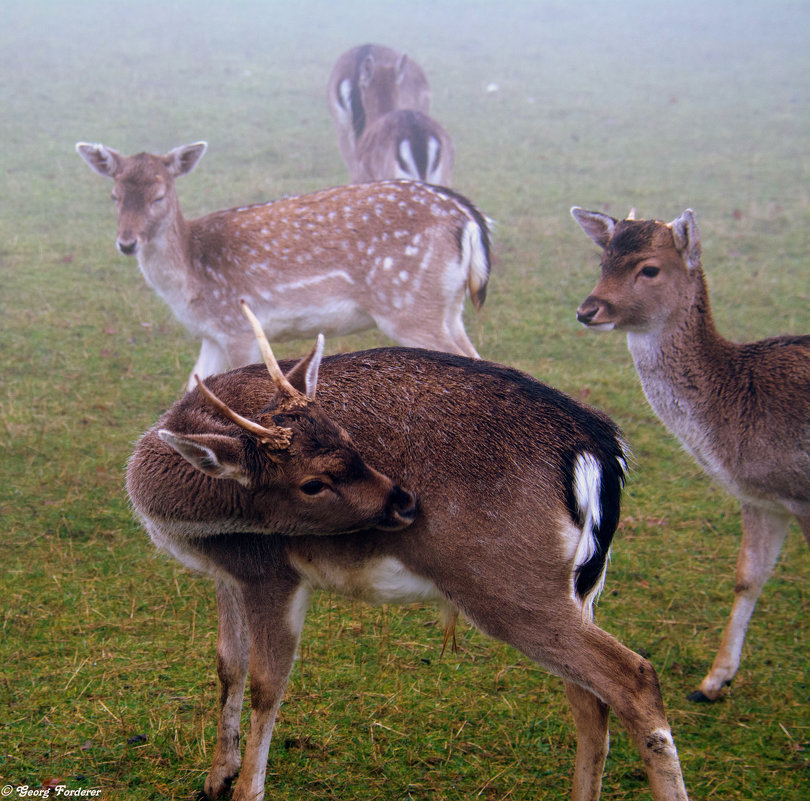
x=517, y=491
x=405, y=144
x=367, y=82
x=742, y=411
x=396, y=254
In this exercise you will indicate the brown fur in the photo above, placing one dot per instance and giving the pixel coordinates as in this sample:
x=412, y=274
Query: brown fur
x=492, y=458
x=742, y=410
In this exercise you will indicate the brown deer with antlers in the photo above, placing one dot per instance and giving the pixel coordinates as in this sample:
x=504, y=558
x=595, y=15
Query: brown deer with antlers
x=742, y=411
x=414, y=476
x=399, y=255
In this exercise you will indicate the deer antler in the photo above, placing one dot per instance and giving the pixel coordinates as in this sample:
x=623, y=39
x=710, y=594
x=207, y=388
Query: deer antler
x=292, y=396
x=277, y=438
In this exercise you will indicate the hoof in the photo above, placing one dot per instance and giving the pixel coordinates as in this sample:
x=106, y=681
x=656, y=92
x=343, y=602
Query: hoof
x=699, y=698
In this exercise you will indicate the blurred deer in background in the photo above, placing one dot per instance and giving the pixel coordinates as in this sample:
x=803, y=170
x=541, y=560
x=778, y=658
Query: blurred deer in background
x=742, y=411
x=414, y=476
x=399, y=255
x=405, y=144
x=366, y=83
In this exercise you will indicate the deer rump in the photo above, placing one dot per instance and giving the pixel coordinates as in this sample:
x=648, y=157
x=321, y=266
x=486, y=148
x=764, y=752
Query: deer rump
x=495, y=458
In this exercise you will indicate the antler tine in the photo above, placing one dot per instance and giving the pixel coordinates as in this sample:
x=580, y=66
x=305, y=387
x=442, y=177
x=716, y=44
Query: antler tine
x=277, y=438
x=279, y=379
x=632, y=214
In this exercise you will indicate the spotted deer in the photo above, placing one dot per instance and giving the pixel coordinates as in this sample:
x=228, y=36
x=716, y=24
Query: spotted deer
x=501, y=499
x=399, y=255
x=405, y=144
x=741, y=410
x=367, y=82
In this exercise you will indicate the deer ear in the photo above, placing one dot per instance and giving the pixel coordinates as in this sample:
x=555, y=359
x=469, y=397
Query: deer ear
x=101, y=159
x=599, y=227
x=215, y=455
x=402, y=65
x=304, y=376
x=182, y=160
x=687, y=238
x=366, y=72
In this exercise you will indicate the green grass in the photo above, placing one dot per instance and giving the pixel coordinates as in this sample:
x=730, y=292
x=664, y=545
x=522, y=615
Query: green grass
x=107, y=649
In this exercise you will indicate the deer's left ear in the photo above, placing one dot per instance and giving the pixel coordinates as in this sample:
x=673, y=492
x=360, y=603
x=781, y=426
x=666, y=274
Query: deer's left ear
x=687, y=238
x=215, y=455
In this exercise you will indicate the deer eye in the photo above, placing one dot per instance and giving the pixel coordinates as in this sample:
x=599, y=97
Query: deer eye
x=649, y=271
x=313, y=487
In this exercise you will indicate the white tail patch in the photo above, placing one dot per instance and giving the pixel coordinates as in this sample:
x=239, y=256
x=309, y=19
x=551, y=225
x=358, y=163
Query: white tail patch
x=587, y=491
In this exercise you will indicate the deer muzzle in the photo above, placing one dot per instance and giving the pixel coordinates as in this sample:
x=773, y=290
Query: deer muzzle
x=401, y=510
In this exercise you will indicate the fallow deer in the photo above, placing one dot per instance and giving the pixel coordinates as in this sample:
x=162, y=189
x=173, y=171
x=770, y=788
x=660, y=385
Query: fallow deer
x=367, y=82
x=516, y=489
x=741, y=410
x=405, y=144
x=400, y=255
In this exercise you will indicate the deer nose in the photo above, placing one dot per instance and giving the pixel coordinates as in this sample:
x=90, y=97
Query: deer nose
x=127, y=246
x=403, y=505
x=586, y=312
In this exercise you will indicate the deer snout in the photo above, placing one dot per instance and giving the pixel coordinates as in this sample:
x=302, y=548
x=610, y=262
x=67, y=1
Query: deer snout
x=589, y=314
x=402, y=509
x=128, y=245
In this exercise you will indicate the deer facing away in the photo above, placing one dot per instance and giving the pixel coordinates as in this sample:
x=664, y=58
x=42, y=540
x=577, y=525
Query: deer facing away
x=366, y=83
x=511, y=489
x=405, y=144
x=741, y=410
x=396, y=254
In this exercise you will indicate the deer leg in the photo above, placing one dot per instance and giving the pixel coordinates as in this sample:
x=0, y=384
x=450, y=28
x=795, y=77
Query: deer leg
x=591, y=718
x=584, y=655
x=212, y=360
x=217, y=358
x=628, y=683
x=412, y=334
x=275, y=613
x=804, y=525
x=233, y=650
x=763, y=536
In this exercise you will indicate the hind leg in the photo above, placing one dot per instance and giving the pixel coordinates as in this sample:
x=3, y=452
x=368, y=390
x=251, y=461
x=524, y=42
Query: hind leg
x=435, y=327
x=628, y=683
x=591, y=719
x=601, y=673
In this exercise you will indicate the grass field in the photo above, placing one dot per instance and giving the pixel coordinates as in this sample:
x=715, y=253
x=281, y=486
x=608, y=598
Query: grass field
x=107, y=676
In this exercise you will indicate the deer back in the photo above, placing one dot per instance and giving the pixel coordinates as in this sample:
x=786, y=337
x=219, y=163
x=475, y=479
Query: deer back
x=483, y=448
x=405, y=144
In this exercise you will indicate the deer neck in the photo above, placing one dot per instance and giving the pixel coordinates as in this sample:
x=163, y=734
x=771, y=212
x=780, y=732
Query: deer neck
x=678, y=365
x=165, y=261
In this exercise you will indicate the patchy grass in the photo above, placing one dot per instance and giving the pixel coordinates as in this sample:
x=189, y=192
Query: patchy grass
x=107, y=649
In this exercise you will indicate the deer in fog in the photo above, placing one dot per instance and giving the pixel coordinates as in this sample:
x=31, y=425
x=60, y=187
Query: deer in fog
x=411, y=476
x=405, y=144
x=741, y=410
x=399, y=255
x=367, y=82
